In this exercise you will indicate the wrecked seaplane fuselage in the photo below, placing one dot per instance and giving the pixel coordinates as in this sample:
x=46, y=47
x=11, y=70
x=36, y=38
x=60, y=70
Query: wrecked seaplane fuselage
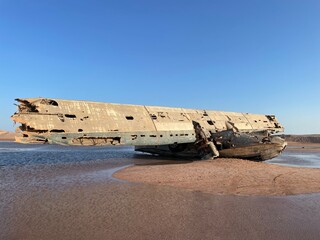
x=158, y=130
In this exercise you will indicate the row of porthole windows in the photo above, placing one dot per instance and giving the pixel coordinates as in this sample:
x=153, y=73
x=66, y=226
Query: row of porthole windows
x=171, y=135
x=135, y=136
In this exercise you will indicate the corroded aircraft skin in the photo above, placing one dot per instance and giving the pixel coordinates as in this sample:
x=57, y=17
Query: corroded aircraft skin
x=159, y=130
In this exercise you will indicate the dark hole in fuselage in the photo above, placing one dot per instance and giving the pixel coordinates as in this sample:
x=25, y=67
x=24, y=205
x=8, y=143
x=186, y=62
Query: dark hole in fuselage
x=49, y=102
x=210, y=122
x=57, y=130
x=52, y=102
x=129, y=118
x=70, y=116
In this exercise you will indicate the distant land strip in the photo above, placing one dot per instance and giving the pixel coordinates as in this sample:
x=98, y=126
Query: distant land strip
x=6, y=136
x=310, y=138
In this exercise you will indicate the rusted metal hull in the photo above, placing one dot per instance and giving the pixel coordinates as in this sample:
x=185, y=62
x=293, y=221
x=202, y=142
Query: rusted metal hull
x=160, y=130
x=258, y=151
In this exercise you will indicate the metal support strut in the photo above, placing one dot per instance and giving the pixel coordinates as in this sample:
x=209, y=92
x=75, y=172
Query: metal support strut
x=206, y=148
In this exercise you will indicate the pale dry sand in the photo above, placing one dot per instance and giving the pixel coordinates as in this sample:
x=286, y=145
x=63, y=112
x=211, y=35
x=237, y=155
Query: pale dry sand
x=228, y=177
x=7, y=136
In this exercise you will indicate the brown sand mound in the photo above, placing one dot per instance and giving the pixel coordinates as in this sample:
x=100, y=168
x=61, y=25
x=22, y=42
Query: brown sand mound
x=7, y=136
x=228, y=176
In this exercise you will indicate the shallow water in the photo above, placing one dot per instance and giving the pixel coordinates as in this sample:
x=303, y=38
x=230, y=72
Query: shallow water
x=298, y=159
x=13, y=154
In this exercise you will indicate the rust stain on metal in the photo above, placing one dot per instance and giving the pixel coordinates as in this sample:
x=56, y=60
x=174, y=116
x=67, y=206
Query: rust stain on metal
x=159, y=130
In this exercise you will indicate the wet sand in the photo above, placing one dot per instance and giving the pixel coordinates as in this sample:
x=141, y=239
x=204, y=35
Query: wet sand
x=81, y=200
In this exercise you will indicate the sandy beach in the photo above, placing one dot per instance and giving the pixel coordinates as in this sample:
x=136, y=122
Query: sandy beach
x=54, y=192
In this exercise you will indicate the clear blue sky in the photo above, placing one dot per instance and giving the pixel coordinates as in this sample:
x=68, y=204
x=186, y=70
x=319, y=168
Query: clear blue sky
x=248, y=56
